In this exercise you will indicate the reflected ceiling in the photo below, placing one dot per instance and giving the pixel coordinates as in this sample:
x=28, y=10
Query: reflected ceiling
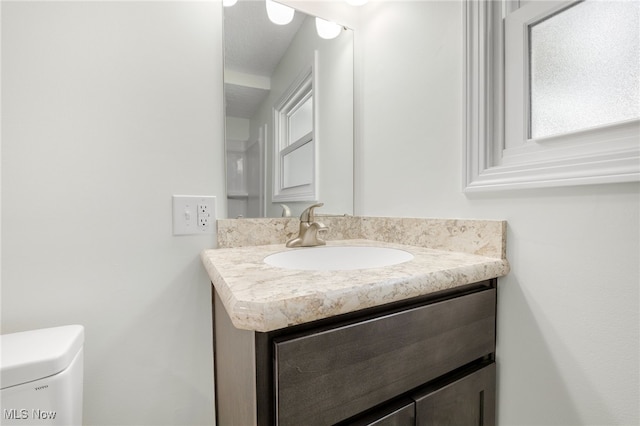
x=253, y=48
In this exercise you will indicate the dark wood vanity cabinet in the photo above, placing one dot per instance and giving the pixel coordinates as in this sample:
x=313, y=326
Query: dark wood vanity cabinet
x=425, y=361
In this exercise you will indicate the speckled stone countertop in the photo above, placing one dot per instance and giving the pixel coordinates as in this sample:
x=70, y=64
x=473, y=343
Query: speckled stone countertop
x=263, y=298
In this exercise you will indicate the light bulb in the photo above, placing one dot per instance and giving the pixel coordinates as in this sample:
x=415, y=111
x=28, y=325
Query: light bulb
x=229, y=3
x=326, y=29
x=279, y=13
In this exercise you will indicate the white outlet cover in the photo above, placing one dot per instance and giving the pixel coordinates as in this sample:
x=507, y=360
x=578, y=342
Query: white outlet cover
x=185, y=214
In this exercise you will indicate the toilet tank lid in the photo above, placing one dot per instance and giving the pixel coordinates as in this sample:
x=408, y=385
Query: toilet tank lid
x=33, y=355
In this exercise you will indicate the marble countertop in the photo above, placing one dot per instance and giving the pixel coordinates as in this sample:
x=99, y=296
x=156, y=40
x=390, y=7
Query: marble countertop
x=263, y=298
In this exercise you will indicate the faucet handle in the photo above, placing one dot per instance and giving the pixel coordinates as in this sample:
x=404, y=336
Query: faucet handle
x=307, y=214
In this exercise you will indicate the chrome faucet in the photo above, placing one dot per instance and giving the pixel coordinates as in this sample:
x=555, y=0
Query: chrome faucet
x=309, y=229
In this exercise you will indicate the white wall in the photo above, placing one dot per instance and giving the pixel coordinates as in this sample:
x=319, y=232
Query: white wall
x=568, y=323
x=109, y=108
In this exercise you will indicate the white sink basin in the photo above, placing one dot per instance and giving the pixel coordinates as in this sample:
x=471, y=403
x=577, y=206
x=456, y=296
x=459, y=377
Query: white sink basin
x=332, y=258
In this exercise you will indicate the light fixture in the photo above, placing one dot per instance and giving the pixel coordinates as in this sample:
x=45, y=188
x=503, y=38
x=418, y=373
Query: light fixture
x=326, y=29
x=279, y=13
x=229, y=3
x=356, y=2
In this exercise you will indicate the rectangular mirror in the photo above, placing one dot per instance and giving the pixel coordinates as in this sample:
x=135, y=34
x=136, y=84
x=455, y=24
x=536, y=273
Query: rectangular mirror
x=289, y=114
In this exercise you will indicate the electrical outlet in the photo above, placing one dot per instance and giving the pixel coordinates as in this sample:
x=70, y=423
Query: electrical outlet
x=193, y=215
x=204, y=216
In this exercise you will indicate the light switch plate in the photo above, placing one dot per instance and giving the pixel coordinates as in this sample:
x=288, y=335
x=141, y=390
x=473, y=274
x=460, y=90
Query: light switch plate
x=194, y=214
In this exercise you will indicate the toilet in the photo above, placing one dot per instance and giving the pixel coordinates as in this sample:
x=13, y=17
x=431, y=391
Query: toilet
x=41, y=377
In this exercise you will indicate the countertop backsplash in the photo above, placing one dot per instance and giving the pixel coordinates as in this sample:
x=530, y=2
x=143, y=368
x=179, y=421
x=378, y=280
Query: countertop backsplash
x=480, y=237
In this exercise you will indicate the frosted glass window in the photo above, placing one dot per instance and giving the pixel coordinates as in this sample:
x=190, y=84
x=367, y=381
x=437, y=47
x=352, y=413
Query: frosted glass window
x=301, y=121
x=584, y=67
x=298, y=167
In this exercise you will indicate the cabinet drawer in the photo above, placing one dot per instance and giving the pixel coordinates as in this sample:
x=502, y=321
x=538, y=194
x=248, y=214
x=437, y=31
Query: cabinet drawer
x=328, y=376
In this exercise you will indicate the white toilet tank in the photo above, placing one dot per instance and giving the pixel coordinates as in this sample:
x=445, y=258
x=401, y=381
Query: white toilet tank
x=41, y=377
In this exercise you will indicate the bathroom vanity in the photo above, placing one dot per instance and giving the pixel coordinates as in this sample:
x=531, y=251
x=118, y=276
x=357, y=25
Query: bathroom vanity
x=411, y=343
x=378, y=363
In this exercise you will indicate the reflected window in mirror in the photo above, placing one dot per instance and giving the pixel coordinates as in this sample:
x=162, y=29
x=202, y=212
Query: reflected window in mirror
x=295, y=142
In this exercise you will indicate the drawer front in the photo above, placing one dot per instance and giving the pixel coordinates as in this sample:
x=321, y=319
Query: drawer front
x=329, y=376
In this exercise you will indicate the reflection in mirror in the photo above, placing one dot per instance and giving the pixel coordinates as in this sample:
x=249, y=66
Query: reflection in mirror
x=294, y=139
x=289, y=114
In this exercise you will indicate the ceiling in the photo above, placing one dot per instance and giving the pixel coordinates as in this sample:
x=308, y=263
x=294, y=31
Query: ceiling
x=253, y=48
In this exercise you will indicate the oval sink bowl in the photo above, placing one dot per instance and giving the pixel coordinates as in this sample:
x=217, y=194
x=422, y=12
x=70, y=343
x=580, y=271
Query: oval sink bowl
x=325, y=258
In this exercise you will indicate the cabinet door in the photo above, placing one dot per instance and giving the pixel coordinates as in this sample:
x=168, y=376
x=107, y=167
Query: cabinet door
x=464, y=401
x=328, y=376
x=397, y=413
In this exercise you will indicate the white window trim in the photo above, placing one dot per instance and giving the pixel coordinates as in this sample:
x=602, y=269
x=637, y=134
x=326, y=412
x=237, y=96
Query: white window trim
x=488, y=165
x=307, y=79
